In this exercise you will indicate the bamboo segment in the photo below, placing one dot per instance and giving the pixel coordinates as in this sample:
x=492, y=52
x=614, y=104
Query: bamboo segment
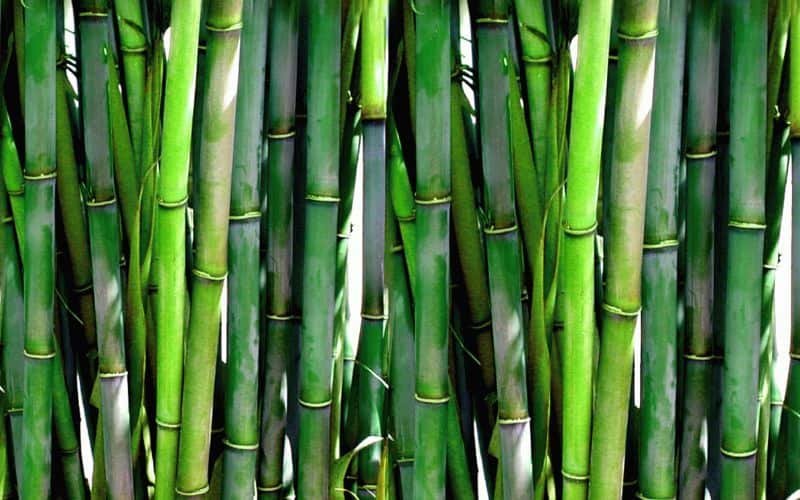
x=12, y=174
x=702, y=77
x=580, y=222
x=212, y=179
x=625, y=232
x=659, y=368
x=502, y=248
x=241, y=392
x=39, y=246
x=432, y=293
x=319, y=263
x=745, y=248
x=170, y=242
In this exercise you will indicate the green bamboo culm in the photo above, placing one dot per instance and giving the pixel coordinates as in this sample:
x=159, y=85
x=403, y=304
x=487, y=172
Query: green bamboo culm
x=12, y=174
x=659, y=367
x=212, y=177
x=638, y=28
x=790, y=418
x=702, y=77
x=105, y=245
x=170, y=239
x=319, y=259
x=580, y=223
x=241, y=392
x=432, y=293
x=39, y=247
x=746, y=226
x=283, y=33
x=503, y=247
x=374, y=88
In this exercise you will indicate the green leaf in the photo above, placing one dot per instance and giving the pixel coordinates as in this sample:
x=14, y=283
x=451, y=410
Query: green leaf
x=340, y=466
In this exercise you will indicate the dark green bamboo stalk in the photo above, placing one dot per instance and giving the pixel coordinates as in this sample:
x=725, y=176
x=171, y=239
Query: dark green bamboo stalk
x=104, y=239
x=12, y=331
x=170, y=241
x=283, y=32
x=626, y=197
x=745, y=248
x=659, y=367
x=134, y=47
x=39, y=246
x=701, y=123
x=402, y=197
x=580, y=222
x=503, y=247
x=319, y=263
x=212, y=177
x=12, y=174
x=432, y=293
x=241, y=392
x=66, y=436
x=374, y=88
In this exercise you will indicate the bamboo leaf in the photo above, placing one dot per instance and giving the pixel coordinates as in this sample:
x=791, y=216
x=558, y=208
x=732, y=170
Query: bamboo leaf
x=340, y=466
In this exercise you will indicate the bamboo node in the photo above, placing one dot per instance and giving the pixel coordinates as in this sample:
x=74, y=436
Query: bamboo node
x=701, y=156
x=241, y=447
x=537, y=60
x=374, y=317
x=770, y=267
x=39, y=177
x=621, y=312
x=269, y=489
x=641, y=36
x=173, y=204
x=166, y=425
x=69, y=451
x=580, y=232
x=405, y=460
x=309, y=404
x=406, y=218
x=343, y=236
x=322, y=198
x=432, y=401
x=397, y=248
x=194, y=493
x=613, y=57
x=368, y=487
x=280, y=317
x=133, y=50
x=222, y=29
x=491, y=20
x=16, y=192
x=433, y=201
x=245, y=216
x=738, y=224
x=630, y=483
x=738, y=454
x=639, y=494
x=13, y=411
x=794, y=355
x=31, y=355
x=513, y=421
x=698, y=357
x=6, y=220
x=280, y=135
x=92, y=13
x=576, y=478
x=100, y=204
x=209, y=277
x=112, y=374
x=499, y=230
x=669, y=243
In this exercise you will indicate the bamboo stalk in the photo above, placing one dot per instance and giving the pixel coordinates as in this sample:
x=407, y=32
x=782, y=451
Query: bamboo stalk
x=745, y=248
x=241, y=392
x=625, y=232
x=39, y=246
x=170, y=242
x=702, y=73
x=659, y=367
x=210, y=266
x=432, y=292
x=12, y=174
x=319, y=266
x=580, y=222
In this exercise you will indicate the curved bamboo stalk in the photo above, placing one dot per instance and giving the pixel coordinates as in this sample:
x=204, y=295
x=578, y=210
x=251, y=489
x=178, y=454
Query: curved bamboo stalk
x=39, y=245
x=625, y=232
x=580, y=221
x=432, y=293
x=212, y=188
x=702, y=77
x=170, y=272
x=745, y=248
x=319, y=259
x=659, y=344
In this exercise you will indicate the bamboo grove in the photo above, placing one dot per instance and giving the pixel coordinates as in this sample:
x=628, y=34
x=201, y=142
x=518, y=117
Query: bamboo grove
x=399, y=249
